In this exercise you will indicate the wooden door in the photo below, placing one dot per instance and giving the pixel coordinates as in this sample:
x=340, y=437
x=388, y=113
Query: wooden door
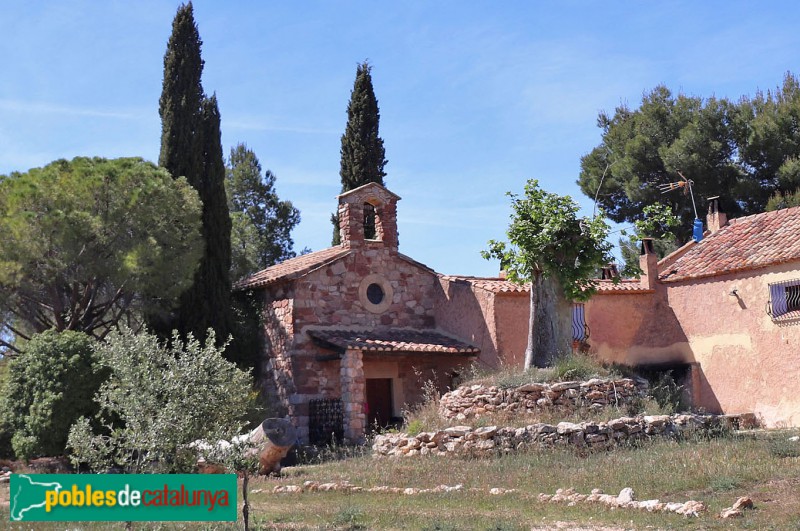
x=379, y=402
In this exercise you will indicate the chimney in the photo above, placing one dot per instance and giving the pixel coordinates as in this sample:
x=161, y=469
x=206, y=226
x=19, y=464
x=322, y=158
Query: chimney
x=503, y=274
x=609, y=272
x=715, y=219
x=648, y=263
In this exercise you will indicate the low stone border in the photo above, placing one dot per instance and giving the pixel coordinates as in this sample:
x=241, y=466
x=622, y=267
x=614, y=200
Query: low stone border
x=598, y=393
x=625, y=499
x=490, y=440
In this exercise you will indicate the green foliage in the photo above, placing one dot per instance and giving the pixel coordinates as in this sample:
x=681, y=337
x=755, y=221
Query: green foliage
x=781, y=446
x=657, y=222
x=158, y=400
x=191, y=147
x=548, y=239
x=262, y=223
x=363, y=155
x=787, y=200
x=87, y=242
x=646, y=147
x=746, y=151
x=206, y=304
x=577, y=367
x=181, y=99
x=50, y=385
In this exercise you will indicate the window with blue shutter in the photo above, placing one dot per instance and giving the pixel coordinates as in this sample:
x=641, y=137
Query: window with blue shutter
x=784, y=300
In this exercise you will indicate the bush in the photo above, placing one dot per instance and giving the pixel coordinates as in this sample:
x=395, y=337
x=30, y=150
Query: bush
x=50, y=385
x=159, y=399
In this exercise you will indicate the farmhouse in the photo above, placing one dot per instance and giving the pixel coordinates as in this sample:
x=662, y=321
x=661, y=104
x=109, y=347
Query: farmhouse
x=723, y=312
x=354, y=333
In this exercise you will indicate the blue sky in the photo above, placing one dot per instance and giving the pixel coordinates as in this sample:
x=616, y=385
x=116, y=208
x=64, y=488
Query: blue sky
x=476, y=97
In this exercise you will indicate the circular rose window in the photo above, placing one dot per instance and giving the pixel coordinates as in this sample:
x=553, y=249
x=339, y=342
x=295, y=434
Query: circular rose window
x=375, y=293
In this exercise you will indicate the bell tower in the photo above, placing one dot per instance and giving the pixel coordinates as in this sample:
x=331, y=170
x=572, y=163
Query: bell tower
x=368, y=215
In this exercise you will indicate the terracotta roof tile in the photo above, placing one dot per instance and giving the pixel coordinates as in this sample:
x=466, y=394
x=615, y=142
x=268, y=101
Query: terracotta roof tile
x=745, y=243
x=392, y=340
x=492, y=284
x=292, y=268
x=624, y=286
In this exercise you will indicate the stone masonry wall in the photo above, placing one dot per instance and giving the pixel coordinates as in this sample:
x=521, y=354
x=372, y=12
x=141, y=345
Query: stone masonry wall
x=476, y=400
x=491, y=440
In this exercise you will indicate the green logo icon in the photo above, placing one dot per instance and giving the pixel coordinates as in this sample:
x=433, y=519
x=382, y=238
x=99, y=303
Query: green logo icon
x=122, y=497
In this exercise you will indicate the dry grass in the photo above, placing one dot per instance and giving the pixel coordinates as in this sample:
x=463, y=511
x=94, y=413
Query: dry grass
x=715, y=471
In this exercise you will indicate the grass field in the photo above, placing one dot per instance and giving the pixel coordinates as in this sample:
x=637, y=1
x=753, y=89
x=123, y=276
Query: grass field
x=763, y=466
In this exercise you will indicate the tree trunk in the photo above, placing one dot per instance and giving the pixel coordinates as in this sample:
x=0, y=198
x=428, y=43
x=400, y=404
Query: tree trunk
x=549, y=323
x=274, y=438
x=245, y=504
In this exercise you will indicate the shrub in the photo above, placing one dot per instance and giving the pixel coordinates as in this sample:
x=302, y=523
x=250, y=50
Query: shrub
x=50, y=385
x=577, y=367
x=159, y=399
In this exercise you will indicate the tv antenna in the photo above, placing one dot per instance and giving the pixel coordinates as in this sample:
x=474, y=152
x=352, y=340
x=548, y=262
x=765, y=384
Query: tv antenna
x=686, y=185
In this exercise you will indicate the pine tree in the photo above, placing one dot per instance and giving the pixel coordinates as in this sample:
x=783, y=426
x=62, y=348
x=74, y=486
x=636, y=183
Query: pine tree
x=191, y=147
x=363, y=155
x=262, y=222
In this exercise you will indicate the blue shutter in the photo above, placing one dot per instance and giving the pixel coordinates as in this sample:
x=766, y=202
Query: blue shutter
x=777, y=297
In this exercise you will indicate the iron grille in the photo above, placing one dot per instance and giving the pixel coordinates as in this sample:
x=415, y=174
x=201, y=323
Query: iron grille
x=784, y=299
x=325, y=422
x=580, y=330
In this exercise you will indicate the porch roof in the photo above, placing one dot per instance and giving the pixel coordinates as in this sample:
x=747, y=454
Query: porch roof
x=392, y=340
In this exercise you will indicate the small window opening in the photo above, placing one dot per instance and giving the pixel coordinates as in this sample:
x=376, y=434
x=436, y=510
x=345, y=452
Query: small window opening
x=370, y=232
x=375, y=294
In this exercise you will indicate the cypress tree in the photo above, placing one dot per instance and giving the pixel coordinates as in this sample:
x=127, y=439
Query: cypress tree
x=181, y=98
x=191, y=147
x=363, y=155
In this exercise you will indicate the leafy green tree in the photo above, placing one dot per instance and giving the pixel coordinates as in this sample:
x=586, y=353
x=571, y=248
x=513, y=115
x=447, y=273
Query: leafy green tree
x=87, y=243
x=50, y=385
x=648, y=146
x=190, y=147
x=558, y=253
x=262, y=223
x=788, y=200
x=158, y=400
x=363, y=155
x=656, y=223
x=766, y=134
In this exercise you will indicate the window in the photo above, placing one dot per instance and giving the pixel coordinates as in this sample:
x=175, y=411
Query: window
x=369, y=222
x=784, y=299
x=375, y=293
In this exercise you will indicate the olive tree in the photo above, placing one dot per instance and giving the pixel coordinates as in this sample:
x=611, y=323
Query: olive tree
x=158, y=400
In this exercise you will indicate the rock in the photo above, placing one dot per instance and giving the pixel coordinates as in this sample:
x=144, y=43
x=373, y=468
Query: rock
x=730, y=512
x=566, y=428
x=531, y=388
x=692, y=508
x=743, y=503
x=458, y=431
x=626, y=495
x=563, y=386
x=487, y=432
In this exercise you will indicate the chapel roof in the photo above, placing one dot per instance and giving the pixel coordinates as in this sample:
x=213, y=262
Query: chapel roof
x=391, y=340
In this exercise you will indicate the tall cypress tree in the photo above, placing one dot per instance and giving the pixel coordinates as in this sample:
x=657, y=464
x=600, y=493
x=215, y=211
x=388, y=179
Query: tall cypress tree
x=191, y=147
x=363, y=155
x=182, y=98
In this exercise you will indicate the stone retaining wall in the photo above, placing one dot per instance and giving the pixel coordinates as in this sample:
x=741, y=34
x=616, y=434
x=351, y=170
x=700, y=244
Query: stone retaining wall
x=491, y=440
x=476, y=400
